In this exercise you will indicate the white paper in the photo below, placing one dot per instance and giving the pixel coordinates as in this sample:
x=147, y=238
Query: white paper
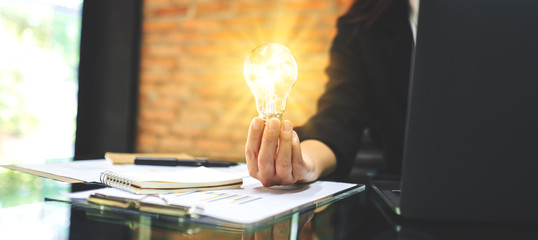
x=249, y=204
x=90, y=170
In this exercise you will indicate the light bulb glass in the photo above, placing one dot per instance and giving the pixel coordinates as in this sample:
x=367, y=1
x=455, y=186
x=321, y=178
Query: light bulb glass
x=270, y=71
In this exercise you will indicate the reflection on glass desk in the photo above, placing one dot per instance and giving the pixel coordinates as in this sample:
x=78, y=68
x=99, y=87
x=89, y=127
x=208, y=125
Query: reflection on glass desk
x=27, y=213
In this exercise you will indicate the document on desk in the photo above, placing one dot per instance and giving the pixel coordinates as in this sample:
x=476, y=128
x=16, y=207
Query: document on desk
x=90, y=170
x=252, y=203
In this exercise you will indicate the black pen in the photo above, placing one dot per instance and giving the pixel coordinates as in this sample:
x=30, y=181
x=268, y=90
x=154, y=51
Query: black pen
x=182, y=162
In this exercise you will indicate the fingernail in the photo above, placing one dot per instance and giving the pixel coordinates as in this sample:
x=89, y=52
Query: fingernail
x=274, y=124
x=256, y=124
x=295, y=137
x=287, y=126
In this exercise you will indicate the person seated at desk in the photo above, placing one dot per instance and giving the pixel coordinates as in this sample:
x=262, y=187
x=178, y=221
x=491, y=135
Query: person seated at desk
x=368, y=87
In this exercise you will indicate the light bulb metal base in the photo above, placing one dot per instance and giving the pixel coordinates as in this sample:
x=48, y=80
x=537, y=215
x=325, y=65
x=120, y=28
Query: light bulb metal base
x=266, y=117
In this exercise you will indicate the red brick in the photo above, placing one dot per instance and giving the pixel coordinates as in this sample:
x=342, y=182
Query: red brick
x=157, y=115
x=206, y=104
x=320, y=34
x=149, y=3
x=313, y=48
x=315, y=64
x=229, y=63
x=154, y=77
x=146, y=89
x=307, y=5
x=187, y=131
x=165, y=103
x=228, y=133
x=154, y=129
x=198, y=116
x=200, y=24
x=245, y=21
x=160, y=50
x=159, y=26
x=213, y=145
x=212, y=9
x=183, y=37
x=147, y=139
x=205, y=50
x=175, y=144
x=178, y=91
x=309, y=80
x=223, y=78
x=169, y=11
x=330, y=21
x=193, y=64
x=185, y=77
x=225, y=35
x=158, y=63
x=249, y=7
x=343, y=5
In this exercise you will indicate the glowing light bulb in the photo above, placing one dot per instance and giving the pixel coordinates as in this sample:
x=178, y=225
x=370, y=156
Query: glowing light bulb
x=270, y=71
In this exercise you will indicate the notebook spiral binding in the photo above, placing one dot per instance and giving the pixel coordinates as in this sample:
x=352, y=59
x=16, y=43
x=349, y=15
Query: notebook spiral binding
x=115, y=180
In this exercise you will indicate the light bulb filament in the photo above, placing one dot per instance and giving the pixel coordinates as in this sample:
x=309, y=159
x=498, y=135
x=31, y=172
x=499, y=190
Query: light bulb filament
x=270, y=71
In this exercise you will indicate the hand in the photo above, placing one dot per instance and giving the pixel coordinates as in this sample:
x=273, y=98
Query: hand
x=273, y=154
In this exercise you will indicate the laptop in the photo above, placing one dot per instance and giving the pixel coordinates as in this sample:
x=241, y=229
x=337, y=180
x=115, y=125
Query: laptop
x=471, y=144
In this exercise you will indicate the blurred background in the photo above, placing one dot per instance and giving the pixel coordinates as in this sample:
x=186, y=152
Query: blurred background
x=193, y=96
x=79, y=78
x=39, y=59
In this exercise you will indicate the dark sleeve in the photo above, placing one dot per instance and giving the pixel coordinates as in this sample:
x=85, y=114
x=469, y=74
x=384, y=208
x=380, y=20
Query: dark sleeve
x=341, y=114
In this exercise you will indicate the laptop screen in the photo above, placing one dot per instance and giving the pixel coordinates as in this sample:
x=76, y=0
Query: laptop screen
x=472, y=126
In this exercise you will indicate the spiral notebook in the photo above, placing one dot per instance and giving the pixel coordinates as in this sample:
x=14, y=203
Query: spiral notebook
x=200, y=178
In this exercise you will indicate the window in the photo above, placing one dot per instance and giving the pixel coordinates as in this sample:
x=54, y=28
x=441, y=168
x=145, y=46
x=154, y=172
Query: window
x=39, y=42
x=39, y=58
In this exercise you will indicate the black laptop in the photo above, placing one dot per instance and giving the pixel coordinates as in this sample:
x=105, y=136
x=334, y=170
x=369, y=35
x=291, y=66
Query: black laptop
x=471, y=145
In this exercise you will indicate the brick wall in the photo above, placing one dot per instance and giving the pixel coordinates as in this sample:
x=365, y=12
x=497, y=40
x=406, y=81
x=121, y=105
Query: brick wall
x=193, y=96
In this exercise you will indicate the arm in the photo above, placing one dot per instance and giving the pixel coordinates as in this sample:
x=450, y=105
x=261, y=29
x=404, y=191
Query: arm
x=343, y=109
x=320, y=155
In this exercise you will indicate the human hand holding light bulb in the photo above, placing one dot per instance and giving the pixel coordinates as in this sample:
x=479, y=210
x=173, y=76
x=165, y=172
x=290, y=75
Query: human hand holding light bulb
x=273, y=152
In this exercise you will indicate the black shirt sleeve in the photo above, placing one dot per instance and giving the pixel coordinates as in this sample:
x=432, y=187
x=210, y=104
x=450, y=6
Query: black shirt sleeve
x=341, y=115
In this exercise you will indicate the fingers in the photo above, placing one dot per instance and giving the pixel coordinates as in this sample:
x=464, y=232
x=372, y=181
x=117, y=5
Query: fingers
x=252, y=146
x=283, y=158
x=266, y=156
x=270, y=151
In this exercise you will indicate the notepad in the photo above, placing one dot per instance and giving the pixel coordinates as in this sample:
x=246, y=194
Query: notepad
x=200, y=178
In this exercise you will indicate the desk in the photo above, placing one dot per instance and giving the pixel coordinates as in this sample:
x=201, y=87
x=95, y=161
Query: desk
x=26, y=215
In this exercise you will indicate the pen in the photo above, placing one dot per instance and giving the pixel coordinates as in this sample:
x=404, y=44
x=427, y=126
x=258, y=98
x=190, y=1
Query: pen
x=182, y=162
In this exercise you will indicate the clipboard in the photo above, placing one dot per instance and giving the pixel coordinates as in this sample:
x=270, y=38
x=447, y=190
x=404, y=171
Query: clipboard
x=156, y=205
x=133, y=218
x=225, y=208
x=167, y=209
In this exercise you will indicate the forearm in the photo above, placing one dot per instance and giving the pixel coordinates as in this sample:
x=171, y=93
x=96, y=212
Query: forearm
x=320, y=155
